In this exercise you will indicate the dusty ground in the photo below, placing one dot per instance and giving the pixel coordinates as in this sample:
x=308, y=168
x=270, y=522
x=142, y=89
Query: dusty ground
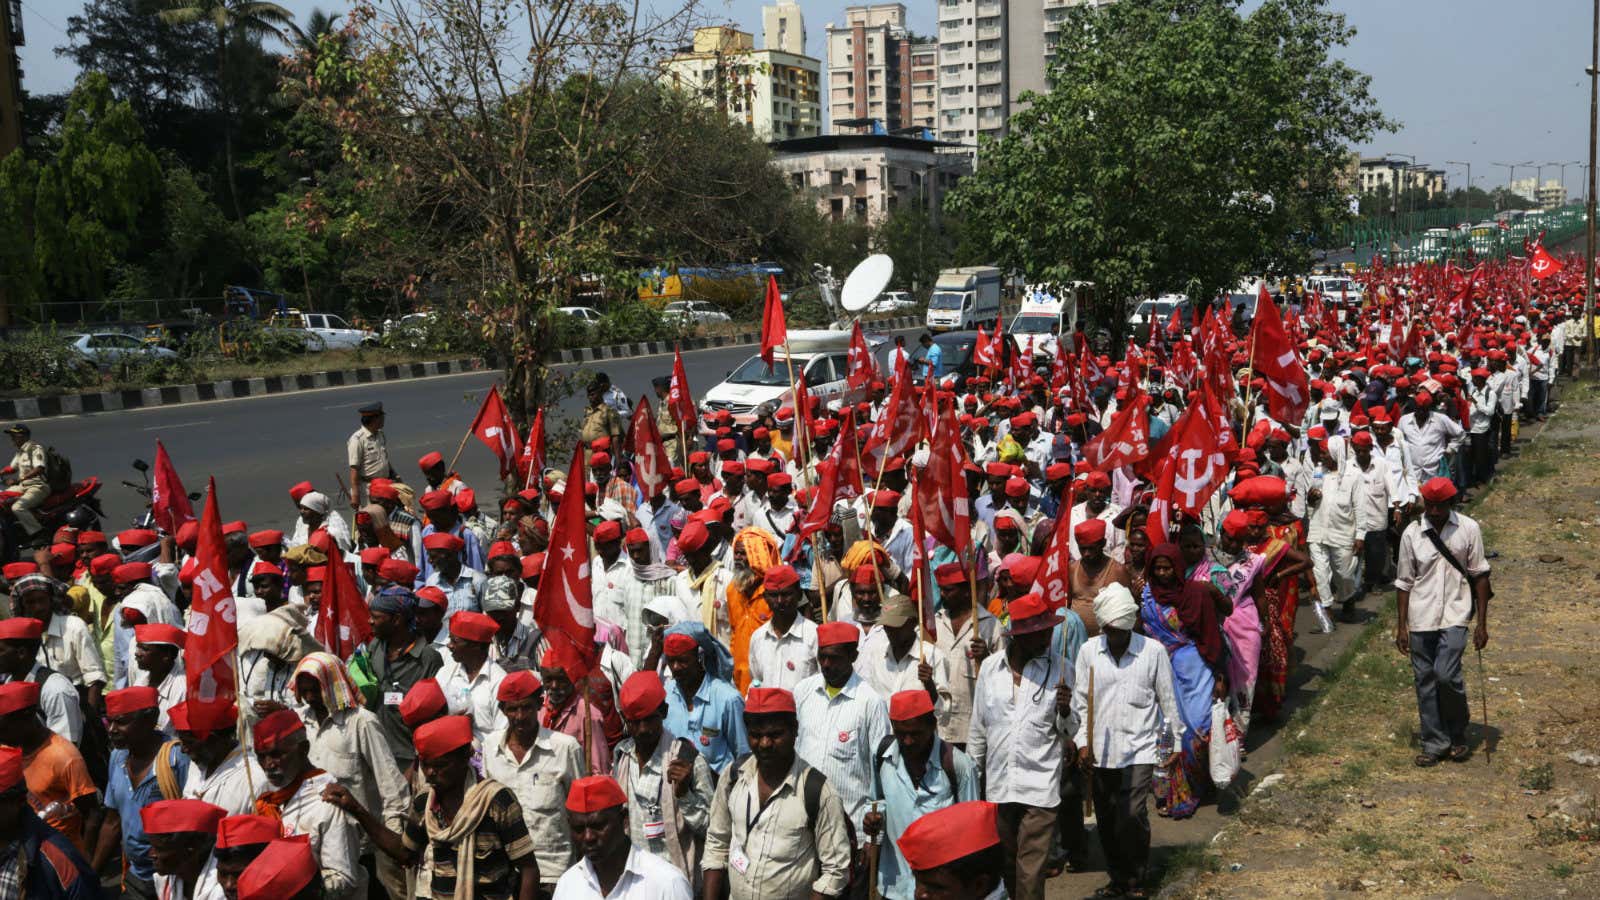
x=1352, y=814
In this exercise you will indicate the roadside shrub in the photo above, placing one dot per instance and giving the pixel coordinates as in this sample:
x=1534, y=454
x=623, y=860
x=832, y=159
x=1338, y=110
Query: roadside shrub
x=42, y=361
x=628, y=322
x=447, y=332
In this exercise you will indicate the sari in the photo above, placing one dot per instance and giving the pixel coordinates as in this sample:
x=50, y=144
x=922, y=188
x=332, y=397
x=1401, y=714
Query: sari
x=1192, y=684
x=1242, y=628
x=1279, y=598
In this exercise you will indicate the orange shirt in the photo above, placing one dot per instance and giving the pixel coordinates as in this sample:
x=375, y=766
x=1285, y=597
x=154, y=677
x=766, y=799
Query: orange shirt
x=745, y=615
x=56, y=776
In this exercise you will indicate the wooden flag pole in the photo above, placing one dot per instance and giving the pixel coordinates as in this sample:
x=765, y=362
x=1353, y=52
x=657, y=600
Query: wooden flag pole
x=462, y=446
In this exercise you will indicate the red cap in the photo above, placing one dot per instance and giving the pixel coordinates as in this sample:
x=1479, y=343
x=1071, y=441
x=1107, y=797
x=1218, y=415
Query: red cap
x=687, y=486
x=435, y=500
x=91, y=537
x=131, y=573
x=1099, y=480
x=181, y=816
x=780, y=577
x=502, y=548
x=431, y=595
x=1361, y=439
x=831, y=633
x=949, y=574
x=679, y=644
x=768, y=700
x=10, y=768
x=314, y=574
x=442, y=736
x=1090, y=531
x=424, y=701
x=907, y=705
x=20, y=628
x=635, y=536
x=595, y=793
x=159, y=634
x=219, y=719
x=271, y=537
x=245, y=831
x=518, y=685
x=1438, y=490
x=885, y=499
x=599, y=459
x=398, y=571
x=300, y=490
x=374, y=556
x=946, y=835
x=641, y=696
x=864, y=575
x=282, y=870
x=533, y=565
x=128, y=700
x=1030, y=613
x=466, y=499
x=1024, y=570
x=473, y=626
x=693, y=537
x=275, y=728
x=263, y=569
x=429, y=460
x=607, y=532
x=238, y=526
x=134, y=538
x=381, y=492
x=15, y=570
x=443, y=540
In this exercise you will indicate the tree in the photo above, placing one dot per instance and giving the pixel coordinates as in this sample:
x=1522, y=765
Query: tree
x=159, y=68
x=1182, y=142
x=70, y=220
x=233, y=22
x=920, y=247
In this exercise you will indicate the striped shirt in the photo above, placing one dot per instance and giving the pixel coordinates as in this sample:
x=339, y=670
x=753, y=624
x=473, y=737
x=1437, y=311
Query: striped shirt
x=839, y=735
x=502, y=846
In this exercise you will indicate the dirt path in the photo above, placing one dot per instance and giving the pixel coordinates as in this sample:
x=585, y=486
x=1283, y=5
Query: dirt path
x=1351, y=813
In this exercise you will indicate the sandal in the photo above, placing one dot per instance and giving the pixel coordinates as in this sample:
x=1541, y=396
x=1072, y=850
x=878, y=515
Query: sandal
x=1136, y=893
x=1460, y=753
x=1426, y=760
x=1108, y=892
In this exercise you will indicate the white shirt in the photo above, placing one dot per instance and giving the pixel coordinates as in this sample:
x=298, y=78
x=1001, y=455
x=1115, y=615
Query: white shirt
x=839, y=735
x=1333, y=519
x=1016, y=735
x=963, y=670
x=231, y=785
x=540, y=780
x=1132, y=696
x=783, y=661
x=888, y=676
x=58, y=701
x=645, y=877
x=351, y=748
x=474, y=696
x=1440, y=597
x=1379, y=489
x=67, y=648
x=1428, y=441
x=607, y=584
x=335, y=837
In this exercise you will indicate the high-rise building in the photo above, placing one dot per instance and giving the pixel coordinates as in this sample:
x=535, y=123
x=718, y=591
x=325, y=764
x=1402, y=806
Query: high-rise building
x=773, y=92
x=784, y=28
x=878, y=71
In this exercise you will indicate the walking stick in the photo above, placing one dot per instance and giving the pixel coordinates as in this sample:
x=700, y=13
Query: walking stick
x=1483, y=698
x=1088, y=772
x=872, y=862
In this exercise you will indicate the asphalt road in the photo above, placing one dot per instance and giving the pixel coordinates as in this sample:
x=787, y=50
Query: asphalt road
x=257, y=447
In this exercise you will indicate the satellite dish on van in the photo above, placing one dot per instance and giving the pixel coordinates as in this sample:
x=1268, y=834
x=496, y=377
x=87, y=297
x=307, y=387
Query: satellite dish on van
x=866, y=282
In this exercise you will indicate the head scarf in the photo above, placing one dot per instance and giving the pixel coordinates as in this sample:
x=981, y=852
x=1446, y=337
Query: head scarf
x=338, y=690
x=714, y=657
x=316, y=502
x=396, y=601
x=860, y=552
x=1166, y=595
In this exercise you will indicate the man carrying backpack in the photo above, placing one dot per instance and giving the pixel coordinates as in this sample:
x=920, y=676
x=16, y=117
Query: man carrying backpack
x=777, y=828
x=28, y=467
x=667, y=782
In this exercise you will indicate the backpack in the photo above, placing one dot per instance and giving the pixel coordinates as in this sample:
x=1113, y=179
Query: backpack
x=57, y=470
x=811, y=793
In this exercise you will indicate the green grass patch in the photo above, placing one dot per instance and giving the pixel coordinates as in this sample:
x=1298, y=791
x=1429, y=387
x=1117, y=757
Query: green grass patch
x=1366, y=843
x=1538, y=778
x=1184, y=859
x=1560, y=870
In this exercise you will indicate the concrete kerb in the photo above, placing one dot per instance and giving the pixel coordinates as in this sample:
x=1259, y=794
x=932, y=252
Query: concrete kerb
x=142, y=398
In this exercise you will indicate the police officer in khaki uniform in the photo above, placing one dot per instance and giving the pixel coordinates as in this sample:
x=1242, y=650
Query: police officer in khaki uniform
x=367, y=452
x=600, y=419
x=28, y=468
x=666, y=422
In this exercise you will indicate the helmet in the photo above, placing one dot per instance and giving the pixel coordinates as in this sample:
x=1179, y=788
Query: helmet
x=83, y=518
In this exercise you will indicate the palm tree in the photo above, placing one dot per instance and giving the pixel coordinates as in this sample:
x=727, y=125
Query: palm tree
x=318, y=25
x=232, y=18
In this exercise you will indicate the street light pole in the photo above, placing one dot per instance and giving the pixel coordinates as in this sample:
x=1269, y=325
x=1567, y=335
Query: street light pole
x=1594, y=126
x=1400, y=187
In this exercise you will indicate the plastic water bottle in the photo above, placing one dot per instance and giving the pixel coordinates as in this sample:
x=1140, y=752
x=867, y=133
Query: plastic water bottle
x=1159, y=780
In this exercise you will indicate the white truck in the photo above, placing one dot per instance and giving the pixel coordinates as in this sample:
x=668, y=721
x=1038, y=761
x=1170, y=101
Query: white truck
x=1050, y=311
x=964, y=298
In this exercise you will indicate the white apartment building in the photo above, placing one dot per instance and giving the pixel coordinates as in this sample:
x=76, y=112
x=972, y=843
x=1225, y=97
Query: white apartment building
x=775, y=93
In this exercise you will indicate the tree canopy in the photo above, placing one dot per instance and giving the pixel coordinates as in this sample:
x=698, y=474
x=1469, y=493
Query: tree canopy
x=1183, y=143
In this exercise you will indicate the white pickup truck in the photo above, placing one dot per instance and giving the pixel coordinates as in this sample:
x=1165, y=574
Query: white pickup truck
x=325, y=331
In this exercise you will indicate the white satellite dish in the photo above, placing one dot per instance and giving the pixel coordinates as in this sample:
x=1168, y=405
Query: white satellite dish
x=866, y=282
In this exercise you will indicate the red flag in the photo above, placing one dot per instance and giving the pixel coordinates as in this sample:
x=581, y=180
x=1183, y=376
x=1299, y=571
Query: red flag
x=1183, y=366
x=679, y=398
x=1195, y=467
x=651, y=465
x=773, y=330
x=169, y=504
x=1054, y=578
x=530, y=461
x=983, y=351
x=920, y=575
x=821, y=509
x=1543, y=265
x=342, y=624
x=846, y=458
x=1126, y=439
x=1278, y=362
x=861, y=367
x=494, y=428
x=565, y=605
x=896, y=430
x=208, y=652
x=941, y=494
x=1022, y=366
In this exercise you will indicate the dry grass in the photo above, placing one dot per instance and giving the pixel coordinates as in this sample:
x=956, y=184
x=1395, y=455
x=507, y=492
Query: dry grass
x=1353, y=813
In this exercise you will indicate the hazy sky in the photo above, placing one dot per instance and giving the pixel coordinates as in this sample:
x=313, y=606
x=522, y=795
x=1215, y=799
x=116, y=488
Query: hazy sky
x=1482, y=81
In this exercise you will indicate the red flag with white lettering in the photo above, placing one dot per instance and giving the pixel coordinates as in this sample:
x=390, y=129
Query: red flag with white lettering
x=565, y=605
x=861, y=367
x=530, y=462
x=1278, y=362
x=774, y=331
x=1126, y=439
x=942, y=488
x=342, y=622
x=1055, y=576
x=651, y=465
x=846, y=457
x=208, y=651
x=494, y=428
x=983, y=351
x=169, y=505
x=679, y=397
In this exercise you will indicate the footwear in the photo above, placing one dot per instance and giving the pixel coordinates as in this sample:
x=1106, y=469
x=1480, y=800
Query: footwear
x=1459, y=753
x=1105, y=893
x=1425, y=760
x=1347, y=612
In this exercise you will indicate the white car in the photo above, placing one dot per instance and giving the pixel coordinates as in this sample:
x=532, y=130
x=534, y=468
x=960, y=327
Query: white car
x=585, y=314
x=693, y=312
x=821, y=356
x=326, y=331
x=106, y=348
x=892, y=301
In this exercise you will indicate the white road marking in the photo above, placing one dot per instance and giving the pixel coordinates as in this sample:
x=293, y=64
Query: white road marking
x=178, y=425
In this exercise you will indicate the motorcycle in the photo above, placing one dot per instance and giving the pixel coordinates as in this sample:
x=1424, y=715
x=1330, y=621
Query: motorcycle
x=146, y=519
x=78, y=506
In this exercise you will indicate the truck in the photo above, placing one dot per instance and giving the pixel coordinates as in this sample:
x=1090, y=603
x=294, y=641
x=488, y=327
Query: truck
x=1050, y=310
x=964, y=297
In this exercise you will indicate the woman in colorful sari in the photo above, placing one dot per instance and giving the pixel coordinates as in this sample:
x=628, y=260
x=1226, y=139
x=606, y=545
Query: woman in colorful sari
x=1279, y=539
x=1182, y=615
x=1234, y=570
x=754, y=551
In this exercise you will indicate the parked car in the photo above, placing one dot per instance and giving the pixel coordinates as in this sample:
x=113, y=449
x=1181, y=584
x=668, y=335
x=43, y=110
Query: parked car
x=585, y=314
x=107, y=348
x=892, y=301
x=325, y=331
x=688, y=313
x=955, y=357
x=1161, y=308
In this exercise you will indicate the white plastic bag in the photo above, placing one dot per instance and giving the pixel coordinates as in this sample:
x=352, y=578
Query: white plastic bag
x=1225, y=745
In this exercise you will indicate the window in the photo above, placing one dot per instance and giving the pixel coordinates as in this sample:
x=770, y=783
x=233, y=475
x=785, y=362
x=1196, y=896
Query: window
x=837, y=177
x=336, y=322
x=819, y=371
x=861, y=175
x=836, y=208
x=798, y=179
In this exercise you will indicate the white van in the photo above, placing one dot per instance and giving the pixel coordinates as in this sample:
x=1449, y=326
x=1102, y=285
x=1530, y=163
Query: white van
x=1049, y=310
x=964, y=298
x=822, y=356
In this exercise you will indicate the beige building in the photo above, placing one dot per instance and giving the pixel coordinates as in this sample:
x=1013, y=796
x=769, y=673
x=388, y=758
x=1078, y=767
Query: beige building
x=1399, y=175
x=868, y=176
x=784, y=28
x=1552, y=194
x=775, y=93
x=869, y=68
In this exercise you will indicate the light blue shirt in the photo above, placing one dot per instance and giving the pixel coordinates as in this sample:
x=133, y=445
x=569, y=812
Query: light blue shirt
x=934, y=359
x=715, y=725
x=904, y=803
x=464, y=593
x=471, y=553
x=126, y=799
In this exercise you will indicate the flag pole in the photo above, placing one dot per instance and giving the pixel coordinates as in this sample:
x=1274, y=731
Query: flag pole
x=238, y=691
x=462, y=446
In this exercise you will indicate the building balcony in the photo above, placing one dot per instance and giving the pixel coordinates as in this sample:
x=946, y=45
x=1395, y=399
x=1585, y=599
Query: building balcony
x=991, y=33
